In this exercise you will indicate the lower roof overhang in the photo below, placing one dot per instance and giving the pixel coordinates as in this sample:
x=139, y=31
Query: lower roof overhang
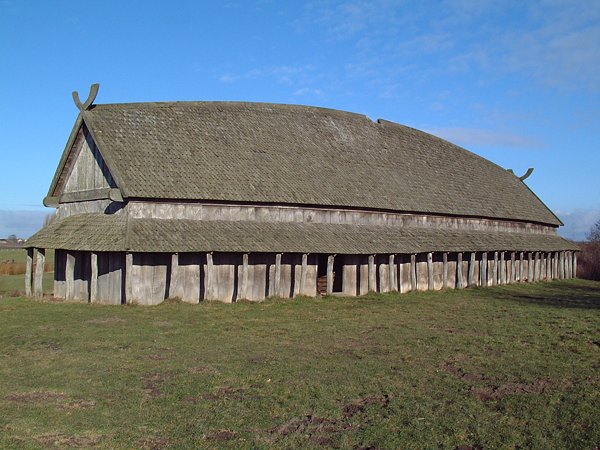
x=118, y=233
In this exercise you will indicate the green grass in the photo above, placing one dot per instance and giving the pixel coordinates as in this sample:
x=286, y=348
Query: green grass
x=506, y=367
x=11, y=285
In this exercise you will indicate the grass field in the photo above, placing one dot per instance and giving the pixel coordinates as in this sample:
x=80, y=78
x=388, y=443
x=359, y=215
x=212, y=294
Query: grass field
x=506, y=367
x=20, y=255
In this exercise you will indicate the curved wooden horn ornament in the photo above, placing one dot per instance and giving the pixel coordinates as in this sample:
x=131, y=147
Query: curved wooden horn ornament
x=91, y=97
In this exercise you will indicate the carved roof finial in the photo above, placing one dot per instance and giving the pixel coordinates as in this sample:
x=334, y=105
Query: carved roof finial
x=524, y=176
x=85, y=106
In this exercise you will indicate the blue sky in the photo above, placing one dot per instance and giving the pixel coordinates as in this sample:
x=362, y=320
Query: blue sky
x=515, y=82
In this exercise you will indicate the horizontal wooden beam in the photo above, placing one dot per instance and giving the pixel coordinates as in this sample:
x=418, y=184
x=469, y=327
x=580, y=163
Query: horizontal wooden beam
x=113, y=194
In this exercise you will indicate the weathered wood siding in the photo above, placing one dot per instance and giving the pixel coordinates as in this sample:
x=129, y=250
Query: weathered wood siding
x=262, y=213
x=88, y=171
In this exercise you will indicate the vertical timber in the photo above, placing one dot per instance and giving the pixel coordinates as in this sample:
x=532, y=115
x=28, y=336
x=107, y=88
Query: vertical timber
x=430, y=271
x=459, y=271
x=372, y=283
x=330, y=262
x=413, y=272
x=445, y=270
x=28, y=272
x=94, y=277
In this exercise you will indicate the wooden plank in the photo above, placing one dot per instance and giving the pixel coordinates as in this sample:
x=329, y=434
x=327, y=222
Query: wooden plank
x=483, y=272
x=413, y=272
x=303, y=271
x=521, y=267
x=28, y=272
x=392, y=273
x=445, y=270
x=175, y=277
x=549, y=266
x=471, y=270
x=277, y=280
x=495, y=270
x=330, y=261
x=502, y=269
x=399, y=281
x=513, y=268
x=430, y=271
x=94, y=277
x=574, y=264
x=460, y=284
x=129, y=297
x=210, y=277
x=244, y=288
x=372, y=283
x=70, y=276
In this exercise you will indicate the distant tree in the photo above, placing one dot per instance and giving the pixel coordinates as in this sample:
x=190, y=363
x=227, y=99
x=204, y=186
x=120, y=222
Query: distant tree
x=594, y=235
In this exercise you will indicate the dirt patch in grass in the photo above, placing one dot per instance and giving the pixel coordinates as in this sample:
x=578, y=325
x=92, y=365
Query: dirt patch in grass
x=64, y=440
x=225, y=393
x=81, y=404
x=201, y=370
x=358, y=406
x=492, y=393
x=461, y=374
x=152, y=383
x=221, y=435
x=36, y=397
x=154, y=443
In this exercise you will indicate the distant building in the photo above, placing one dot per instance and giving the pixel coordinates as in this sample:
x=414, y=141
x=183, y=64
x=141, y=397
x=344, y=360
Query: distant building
x=227, y=201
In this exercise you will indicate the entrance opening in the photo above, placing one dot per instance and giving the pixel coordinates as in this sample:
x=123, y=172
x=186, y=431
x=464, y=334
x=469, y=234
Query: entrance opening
x=322, y=273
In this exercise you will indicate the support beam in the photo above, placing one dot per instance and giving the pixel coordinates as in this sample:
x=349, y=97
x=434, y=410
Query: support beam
x=372, y=282
x=521, y=270
x=460, y=284
x=556, y=265
x=549, y=266
x=502, y=269
x=29, y=272
x=330, y=274
x=400, y=286
x=40, y=260
x=568, y=261
x=513, y=267
x=561, y=268
x=495, y=270
x=210, y=277
x=244, y=286
x=574, y=264
x=94, y=277
x=303, y=270
x=445, y=270
x=391, y=274
x=174, y=275
x=483, y=271
x=277, y=281
x=128, y=278
x=430, y=284
x=413, y=272
x=529, y=267
x=70, y=276
x=536, y=266
x=471, y=270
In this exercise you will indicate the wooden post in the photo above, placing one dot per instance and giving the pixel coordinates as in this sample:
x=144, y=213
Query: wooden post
x=483, y=271
x=536, y=267
x=70, y=276
x=330, y=261
x=244, y=287
x=303, y=270
x=129, y=278
x=28, y=272
x=445, y=270
x=413, y=272
x=495, y=270
x=38, y=277
x=460, y=284
x=521, y=270
x=529, y=267
x=277, y=281
x=400, y=287
x=430, y=284
x=561, y=268
x=549, y=266
x=574, y=264
x=372, y=285
x=513, y=268
x=502, y=269
x=210, y=274
x=569, y=265
x=94, y=277
x=174, y=275
x=556, y=265
x=391, y=274
x=471, y=270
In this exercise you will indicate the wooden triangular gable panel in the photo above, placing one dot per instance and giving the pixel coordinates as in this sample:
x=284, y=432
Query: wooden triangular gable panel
x=84, y=168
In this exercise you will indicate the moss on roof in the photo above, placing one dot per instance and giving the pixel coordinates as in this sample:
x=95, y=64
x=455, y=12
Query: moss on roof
x=268, y=153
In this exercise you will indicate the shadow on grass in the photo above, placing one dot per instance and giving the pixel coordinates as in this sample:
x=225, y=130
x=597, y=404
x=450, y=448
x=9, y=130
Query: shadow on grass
x=563, y=294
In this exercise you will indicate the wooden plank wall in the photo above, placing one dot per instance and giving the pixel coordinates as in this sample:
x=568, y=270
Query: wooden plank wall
x=229, y=277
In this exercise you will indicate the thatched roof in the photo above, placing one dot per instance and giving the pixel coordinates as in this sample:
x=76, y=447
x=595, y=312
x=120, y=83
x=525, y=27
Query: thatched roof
x=102, y=232
x=283, y=154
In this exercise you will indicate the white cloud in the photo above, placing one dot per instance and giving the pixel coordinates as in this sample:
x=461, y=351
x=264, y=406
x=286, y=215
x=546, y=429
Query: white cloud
x=307, y=91
x=578, y=222
x=474, y=137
